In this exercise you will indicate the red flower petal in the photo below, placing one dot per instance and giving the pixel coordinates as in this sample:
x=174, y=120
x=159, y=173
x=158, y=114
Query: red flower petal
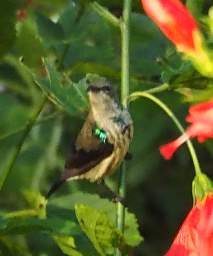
x=195, y=237
x=169, y=149
x=201, y=111
x=174, y=20
x=201, y=107
x=201, y=119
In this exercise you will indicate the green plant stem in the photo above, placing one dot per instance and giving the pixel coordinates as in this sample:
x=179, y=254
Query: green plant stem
x=122, y=194
x=17, y=149
x=168, y=111
x=125, y=52
x=103, y=12
x=124, y=96
x=160, y=88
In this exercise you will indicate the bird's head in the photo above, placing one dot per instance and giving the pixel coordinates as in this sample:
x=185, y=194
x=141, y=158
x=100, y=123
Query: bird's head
x=99, y=90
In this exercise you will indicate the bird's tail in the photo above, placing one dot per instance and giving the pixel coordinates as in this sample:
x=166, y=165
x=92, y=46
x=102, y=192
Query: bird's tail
x=55, y=187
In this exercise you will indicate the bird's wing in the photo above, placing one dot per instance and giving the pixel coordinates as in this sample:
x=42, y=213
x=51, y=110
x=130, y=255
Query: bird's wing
x=89, y=152
x=83, y=161
x=80, y=163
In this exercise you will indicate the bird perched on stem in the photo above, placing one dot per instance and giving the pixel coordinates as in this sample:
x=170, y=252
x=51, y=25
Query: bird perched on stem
x=104, y=138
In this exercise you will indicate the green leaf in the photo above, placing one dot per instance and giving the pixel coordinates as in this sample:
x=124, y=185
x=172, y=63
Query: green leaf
x=185, y=77
x=99, y=229
x=88, y=36
x=52, y=226
x=147, y=44
x=77, y=246
x=10, y=247
x=60, y=224
x=24, y=84
x=67, y=245
x=50, y=31
x=196, y=95
x=36, y=201
x=195, y=7
x=11, y=109
x=22, y=70
x=69, y=95
x=131, y=234
x=7, y=24
x=28, y=44
x=82, y=68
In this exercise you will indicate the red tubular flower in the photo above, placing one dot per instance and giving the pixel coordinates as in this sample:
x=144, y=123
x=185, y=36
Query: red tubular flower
x=175, y=21
x=201, y=119
x=195, y=237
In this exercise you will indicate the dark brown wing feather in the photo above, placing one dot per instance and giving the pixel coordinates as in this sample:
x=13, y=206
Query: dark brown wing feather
x=89, y=150
x=82, y=161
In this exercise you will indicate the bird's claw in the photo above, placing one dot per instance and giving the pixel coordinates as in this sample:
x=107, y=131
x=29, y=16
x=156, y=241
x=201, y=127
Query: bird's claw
x=118, y=199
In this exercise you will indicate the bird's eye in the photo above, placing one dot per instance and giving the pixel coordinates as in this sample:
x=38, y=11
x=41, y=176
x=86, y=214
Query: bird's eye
x=96, y=89
x=106, y=88
x=93, y=88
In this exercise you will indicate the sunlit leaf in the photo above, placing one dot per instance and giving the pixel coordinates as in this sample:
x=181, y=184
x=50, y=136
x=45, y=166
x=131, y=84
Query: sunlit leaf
x=67, y=245
x=196, y=95
x=131, y=234
x=36, y=201
x=99, y=229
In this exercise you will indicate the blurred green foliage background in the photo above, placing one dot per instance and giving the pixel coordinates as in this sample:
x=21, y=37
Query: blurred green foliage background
x=75, y=40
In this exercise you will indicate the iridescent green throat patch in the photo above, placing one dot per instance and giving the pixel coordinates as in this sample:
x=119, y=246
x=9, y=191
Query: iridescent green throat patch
x=101, y=134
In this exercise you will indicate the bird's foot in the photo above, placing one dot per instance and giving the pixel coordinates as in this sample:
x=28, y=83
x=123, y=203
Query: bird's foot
x=118, y=199
x=115, y=197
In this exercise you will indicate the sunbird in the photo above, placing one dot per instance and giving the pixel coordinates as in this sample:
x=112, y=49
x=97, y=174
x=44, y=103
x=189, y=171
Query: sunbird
x=104, y=138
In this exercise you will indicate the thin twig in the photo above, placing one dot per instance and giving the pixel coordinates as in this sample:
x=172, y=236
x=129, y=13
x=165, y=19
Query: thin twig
x=169, y=112
x=103, y=12
x=15, y=153
x=157, y=89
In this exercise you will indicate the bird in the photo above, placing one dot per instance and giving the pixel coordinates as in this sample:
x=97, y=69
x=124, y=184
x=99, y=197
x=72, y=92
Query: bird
x=104, y=138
